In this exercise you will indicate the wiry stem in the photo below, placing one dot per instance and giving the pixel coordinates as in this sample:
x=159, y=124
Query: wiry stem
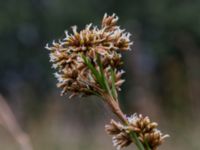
x=136, y=140
x=114, y=105
x=147, y=145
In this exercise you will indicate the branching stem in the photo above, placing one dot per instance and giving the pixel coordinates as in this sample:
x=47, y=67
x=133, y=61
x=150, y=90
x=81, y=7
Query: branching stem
x=114, y=105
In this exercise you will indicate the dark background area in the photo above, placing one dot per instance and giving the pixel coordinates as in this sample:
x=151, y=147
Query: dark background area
x=162, y=71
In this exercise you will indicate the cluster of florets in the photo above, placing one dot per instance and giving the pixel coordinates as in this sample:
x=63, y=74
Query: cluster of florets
x=107, y=42
x=145, y=130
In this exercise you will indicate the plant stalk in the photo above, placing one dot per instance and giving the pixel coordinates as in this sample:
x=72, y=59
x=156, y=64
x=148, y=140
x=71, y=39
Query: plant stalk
x=114, y=105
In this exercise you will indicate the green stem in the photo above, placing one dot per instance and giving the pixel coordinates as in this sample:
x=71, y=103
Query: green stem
x=147, y=145
x=139, y=145
x=136, y=141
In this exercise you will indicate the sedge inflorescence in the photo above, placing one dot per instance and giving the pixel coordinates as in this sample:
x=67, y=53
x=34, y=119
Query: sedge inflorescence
x=87, y=62
x=105, y=43
x=146, y=131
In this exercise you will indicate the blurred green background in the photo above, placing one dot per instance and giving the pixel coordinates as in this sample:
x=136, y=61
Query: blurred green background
x=162, y=71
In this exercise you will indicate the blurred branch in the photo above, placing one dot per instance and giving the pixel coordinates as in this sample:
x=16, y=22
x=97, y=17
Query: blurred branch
x=9, y=122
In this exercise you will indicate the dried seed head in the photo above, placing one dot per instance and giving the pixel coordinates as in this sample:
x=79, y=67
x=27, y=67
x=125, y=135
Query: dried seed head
x=121, y=140
x=109, y=22
x=120, y=137
x=141, y=124
x=155, y=138
x=114, y=127
x=146, y=131
x=72, y=73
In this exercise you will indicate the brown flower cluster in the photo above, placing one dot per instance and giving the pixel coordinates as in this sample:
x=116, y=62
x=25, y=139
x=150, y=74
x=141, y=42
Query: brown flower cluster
x=106, y=42
x=120, y=137
x=146, y=131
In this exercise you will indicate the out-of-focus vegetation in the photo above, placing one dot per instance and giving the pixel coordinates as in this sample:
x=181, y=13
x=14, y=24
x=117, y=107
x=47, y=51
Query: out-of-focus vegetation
x=162, y=71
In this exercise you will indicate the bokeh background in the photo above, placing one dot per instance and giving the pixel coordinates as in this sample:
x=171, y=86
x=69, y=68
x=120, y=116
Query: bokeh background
x=162, y=71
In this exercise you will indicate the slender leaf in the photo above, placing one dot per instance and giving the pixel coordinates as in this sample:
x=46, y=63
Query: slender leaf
x=95, y=72
x=137, y=141
x=114, y=91
x=104, y=79
x=147, y=145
